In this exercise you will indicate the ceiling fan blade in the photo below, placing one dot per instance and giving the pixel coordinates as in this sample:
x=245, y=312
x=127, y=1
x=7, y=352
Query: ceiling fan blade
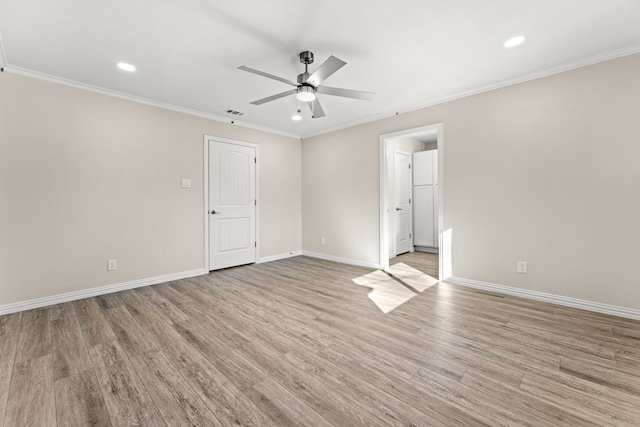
x=347, y=93
x=316, y=109
x=325, y=70
x=263, y=74
x=274, y=97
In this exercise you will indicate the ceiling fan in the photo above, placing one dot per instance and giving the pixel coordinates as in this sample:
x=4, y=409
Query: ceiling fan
x=308, y=85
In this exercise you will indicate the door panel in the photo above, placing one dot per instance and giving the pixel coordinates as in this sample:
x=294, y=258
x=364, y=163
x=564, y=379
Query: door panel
x=423, y=198
x=402, y=197
x=232, y=205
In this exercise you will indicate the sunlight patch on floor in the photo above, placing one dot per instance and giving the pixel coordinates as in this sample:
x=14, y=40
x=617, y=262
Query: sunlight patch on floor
x=412, y=277
x=387, y=293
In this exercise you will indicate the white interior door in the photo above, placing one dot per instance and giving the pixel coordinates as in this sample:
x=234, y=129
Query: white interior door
x=232, y=204
x=402, y=198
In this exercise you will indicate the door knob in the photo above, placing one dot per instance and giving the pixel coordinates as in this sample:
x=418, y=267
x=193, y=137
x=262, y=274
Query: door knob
x=398, y=209
x=215, y=213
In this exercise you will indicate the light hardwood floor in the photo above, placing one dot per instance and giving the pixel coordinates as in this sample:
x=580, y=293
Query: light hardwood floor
x=298, y=342
x=423, y=261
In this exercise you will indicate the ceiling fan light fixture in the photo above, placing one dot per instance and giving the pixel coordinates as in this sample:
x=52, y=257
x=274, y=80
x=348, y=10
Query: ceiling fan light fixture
x=306, y=94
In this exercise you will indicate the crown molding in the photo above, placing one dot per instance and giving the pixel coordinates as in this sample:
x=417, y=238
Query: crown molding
x=96, y=89
x=607, y=56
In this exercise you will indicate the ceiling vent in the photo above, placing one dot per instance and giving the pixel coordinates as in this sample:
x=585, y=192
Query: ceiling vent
x=234, y=112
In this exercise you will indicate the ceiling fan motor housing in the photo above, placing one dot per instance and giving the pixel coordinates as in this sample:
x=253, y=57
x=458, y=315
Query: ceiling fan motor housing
x=302, y=78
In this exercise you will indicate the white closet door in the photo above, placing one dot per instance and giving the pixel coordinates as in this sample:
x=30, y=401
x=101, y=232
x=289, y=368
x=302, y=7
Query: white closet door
x=423, y=232
x=425, y=193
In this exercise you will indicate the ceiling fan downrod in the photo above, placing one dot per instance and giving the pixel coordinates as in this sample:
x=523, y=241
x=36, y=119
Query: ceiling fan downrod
x=306, y=58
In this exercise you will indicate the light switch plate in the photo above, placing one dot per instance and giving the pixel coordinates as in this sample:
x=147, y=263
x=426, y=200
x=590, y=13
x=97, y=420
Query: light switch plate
x=186, y=183
x=523, y=266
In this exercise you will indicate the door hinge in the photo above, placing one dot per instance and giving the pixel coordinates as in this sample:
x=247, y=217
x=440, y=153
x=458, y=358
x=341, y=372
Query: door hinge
x=255, y=160
x=409, y=201
x=255, y=244
x=409, y=235
x=255, y=202
x=409, y=166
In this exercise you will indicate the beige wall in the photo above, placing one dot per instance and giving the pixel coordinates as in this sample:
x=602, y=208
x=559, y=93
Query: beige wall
x=86, y=177
x=544, y=171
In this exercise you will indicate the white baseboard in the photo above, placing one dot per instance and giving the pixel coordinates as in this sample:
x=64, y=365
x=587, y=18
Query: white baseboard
x=279, y=256
x=613, y=310
x=342, y=260
x=86, y=293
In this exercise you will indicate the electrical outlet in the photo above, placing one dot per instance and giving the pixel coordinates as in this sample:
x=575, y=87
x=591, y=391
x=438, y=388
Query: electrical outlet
x=323, y=241
x=112, y=264
x=522, y=267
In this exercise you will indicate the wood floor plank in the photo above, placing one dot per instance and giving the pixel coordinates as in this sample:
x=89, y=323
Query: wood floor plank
x=332, y=405
x=606, y=375
x=92, y=322
x=368, y=368
x=9, y=332
x=133, y=339
x=282, y=406
x=159, y=330
x=178, y=403
x=387, y=407
x=234, y=366
x=228, y=403
x=126, y=398
x=165, y=307
x=70, y=353
x=35, y=335
x=592, y=407
x=499, y=401
x=32, y=397
x=79, y=401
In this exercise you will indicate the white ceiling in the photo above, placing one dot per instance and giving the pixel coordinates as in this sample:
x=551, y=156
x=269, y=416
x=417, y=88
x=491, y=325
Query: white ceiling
x=411, y=53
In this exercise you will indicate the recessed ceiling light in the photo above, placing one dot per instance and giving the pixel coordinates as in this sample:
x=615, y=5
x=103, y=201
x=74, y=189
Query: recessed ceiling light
x=514, y=41
x=296, y=117
x=126, y=67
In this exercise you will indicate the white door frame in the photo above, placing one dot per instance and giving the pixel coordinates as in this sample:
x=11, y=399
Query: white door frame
x=444, y=252
x=205, y=203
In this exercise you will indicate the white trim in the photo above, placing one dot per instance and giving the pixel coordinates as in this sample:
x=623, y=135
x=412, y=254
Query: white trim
x=92, y=292
x=438, y=130
x=497, y=85
x=140, y=100
x=341, y=260
x=205, y=186
x=278, y=257
x=3, y=54
x=551, y=298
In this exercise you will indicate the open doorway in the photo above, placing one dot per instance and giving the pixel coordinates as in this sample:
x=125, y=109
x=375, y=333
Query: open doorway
x=429, y=242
